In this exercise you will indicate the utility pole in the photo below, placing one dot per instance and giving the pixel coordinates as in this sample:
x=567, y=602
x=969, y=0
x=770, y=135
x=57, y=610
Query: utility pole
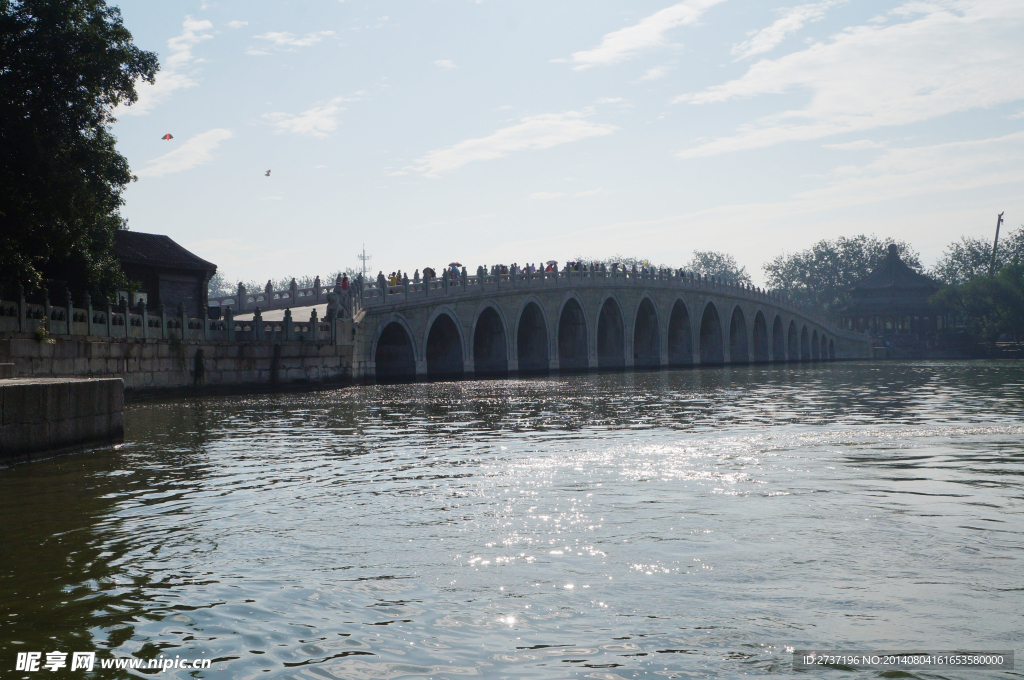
x=366, y=258
x=995, y=244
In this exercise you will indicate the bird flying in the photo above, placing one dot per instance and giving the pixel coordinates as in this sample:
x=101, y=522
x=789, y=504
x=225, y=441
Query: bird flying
x=168, y=136
x=267, y=174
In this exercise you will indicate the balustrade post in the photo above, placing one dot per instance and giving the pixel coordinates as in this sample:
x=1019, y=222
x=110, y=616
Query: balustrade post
x=122, y=309
x=108, y=310
x=259, y=332
x=87, y=303
x=22, y=310
x=289, y=327
x=182, y=320
x=204, y=318
x=316, y=290
x=268, y=295
x=293, y=289
x=241, y=298
x=145, y=318
x=314, y=322
x=405, y=287
x=71, y=311
x=445, y=275
x=229, y=323
x=162, y=309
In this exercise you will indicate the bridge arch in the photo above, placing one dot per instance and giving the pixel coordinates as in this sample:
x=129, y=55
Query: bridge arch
x=711, y=349
x=444, y=344
x=680, y=335
x=824, y=348
x=573, y=349
x=611, y=334
x=490, y=341
x=805, y=345
x=760, y=338
x=778, y=340
x=532, y=343
x=739, y=352
x=646, y=334
x=815, y=346
x=394, y=350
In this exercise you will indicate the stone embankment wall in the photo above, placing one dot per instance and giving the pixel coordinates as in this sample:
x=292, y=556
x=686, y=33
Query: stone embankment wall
x=47, y=416
x=150, y=365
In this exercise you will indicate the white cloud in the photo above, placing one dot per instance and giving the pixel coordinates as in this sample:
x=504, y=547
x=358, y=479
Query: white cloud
x=237, y=24
x=792, y=21
x=890, y=187
x=655, y=73
x=445, y=64
x=171, y=76
x=963, y=56
x=859, y=145
x=650, y=32
x=610, y=100
x=318, y=121
x=285, y=41
x=939, y=168
x=196, y=151
x=534, y=132
x=551, y=195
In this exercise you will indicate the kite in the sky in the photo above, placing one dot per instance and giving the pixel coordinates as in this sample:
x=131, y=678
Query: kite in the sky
x=267, y=174
x=168, y=136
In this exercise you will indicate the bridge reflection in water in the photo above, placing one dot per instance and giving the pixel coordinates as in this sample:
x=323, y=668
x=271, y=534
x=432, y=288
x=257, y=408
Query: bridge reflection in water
x=494, y=325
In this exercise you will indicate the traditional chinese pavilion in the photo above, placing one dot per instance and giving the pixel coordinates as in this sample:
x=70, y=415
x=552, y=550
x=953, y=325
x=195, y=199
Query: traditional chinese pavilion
x=893, y=300
x=164, y=272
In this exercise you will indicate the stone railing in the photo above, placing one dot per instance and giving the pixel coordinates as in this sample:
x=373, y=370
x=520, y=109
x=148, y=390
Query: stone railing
x=268, y=298
x=107, y=321
x=371, y=294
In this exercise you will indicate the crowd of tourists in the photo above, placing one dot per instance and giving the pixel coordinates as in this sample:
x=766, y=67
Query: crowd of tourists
x=455, y=272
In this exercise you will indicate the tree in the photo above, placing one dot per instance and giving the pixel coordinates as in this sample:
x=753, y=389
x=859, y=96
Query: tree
x=989, y=306
x=64, y=65
x=219, y=286
x=705, y=263
x=970, y=258
x=719, y=265
x=818, y=277
x=622, y=260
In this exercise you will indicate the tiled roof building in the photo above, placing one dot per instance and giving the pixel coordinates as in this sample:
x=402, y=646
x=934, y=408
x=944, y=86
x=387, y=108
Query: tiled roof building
x=164, y=272
x=893, y=299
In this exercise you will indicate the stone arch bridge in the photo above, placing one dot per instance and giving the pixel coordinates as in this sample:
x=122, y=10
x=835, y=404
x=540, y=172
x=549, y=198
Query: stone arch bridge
x=580, y=320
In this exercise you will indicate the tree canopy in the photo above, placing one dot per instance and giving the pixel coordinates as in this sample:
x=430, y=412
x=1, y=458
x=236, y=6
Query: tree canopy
x=64, y=66
x=818, y=277
x=970, y=258
x=988, y=306
x=719, y=265
x=704, y=262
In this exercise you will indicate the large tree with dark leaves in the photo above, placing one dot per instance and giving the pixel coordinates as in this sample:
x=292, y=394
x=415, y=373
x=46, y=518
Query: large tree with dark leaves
x=64, y=66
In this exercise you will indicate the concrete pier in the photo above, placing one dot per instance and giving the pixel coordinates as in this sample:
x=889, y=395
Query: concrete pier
x=47, y=416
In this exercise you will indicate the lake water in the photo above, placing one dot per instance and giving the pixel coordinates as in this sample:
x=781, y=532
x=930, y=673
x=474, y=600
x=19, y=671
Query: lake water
x=668, y=524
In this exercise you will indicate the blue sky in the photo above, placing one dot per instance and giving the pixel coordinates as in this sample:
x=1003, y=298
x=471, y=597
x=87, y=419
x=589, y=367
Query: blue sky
x=517, y=131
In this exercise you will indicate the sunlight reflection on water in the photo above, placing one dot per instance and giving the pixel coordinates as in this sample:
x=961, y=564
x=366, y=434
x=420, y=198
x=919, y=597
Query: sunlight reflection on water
x=664, y=524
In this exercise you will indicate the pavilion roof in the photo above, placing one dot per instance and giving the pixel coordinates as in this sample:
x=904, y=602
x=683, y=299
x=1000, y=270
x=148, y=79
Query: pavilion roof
x=155, y=250
x=894, y=276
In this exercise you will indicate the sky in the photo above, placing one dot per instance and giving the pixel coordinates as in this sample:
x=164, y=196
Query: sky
x=500, y=131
